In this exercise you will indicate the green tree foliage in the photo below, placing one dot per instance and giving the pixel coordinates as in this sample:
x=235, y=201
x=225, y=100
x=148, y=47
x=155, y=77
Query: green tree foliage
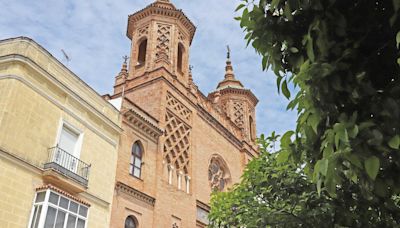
x=275, y=192
x=343, y=57
x=271, y=193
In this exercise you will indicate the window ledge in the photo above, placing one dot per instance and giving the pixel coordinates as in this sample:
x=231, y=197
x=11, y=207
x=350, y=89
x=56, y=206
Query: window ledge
x=52, y=176
x=138, y=66
x=137, y=178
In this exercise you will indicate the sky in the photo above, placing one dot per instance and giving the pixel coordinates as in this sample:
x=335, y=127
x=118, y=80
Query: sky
x=93, y=34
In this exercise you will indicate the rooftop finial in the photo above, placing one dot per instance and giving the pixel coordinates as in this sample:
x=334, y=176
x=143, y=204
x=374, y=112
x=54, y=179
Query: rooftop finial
x=125, y=57
x=124, y=70
x=190, y=73
x=230, y=80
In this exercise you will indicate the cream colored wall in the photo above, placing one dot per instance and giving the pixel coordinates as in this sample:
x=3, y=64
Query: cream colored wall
x=34, y=98
x=17, y=188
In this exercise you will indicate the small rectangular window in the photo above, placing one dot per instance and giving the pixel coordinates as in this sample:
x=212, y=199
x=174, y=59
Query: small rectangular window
x=68, y=140
x=202, y=213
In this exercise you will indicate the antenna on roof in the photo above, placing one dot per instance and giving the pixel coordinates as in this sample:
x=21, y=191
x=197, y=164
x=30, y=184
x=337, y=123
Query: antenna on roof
x=67, y=58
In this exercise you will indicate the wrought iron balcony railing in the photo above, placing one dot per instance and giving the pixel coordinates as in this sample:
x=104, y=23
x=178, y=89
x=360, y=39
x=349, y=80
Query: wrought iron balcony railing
x=68, y=165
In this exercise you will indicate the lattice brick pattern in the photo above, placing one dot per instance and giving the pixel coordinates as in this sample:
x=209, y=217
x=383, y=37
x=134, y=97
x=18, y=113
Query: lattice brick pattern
x=178, y=107
x=238, y=113
x=181, y=37
x=143, y=31
x=164, y=34
x=177, y=143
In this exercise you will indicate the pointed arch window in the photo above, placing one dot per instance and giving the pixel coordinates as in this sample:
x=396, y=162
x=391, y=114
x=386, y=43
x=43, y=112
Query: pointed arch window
x=251, y=125
x=142, y=52
x=136, y=160
x=180, y=57
x=130, y=222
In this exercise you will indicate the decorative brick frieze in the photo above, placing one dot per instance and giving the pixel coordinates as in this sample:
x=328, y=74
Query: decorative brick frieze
x=123, y=188
x=178, y=108
x=177, y=143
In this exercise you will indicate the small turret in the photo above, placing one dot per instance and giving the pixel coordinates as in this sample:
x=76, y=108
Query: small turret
x=123, y=74
x=235, y=101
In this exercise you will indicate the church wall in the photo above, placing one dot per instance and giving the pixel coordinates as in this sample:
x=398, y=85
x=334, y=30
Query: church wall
x=148, y=98
x=173, y=205
x=146, y=183
x=124, y=206
x=207, y=142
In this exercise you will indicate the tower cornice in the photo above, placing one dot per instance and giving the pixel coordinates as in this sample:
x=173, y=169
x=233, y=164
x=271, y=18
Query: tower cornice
x=241, y=91
x=162, y=8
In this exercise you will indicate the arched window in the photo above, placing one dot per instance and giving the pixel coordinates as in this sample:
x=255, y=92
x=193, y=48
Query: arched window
x=180, y=57
x=252, y=135
x=136, y=160
x=142, y=52
x=130, y=222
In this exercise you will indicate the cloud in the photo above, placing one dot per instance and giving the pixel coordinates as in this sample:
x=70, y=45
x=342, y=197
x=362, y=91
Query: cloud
x=93, y=35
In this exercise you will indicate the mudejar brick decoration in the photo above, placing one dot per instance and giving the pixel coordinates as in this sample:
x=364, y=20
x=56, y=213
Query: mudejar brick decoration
x=197, y=144
x=177, y=143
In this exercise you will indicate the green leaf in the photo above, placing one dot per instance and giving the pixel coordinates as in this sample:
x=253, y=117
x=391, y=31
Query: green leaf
x=353, y=132
x=288, y=12
x=278, y=82
x=328, y=151
x=283, y=156
x=285, y=140
x=394, y=142
x=294, y=50
x=239, y=7
x=285, y=89
x=398, y=39
x=319, y=186
x=372, y=165
x=355, y=160
x=264, y=62
x=274, y=4
x=310, y=49
x=323, y=167
x=313, y=121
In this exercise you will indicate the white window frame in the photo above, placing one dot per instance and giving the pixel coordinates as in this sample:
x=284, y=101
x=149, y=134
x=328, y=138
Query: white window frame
x=45, y=205
x=78, y=147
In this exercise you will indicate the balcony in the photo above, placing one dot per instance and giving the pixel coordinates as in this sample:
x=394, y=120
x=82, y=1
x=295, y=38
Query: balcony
x=70, y=168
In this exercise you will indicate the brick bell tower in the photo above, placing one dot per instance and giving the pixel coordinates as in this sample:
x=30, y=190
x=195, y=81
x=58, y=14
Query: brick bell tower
x=161, y=36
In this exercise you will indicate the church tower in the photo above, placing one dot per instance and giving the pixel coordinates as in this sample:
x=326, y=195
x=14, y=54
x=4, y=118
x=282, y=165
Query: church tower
x=161, y=36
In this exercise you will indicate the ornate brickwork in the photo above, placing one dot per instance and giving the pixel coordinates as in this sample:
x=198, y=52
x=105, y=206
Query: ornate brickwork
x=181, y=37
x=238, y=113
x=218, y=173
x=163, y=41
x=144, y=31
x=177, y=107
x=177, y=143
x=123, y=188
